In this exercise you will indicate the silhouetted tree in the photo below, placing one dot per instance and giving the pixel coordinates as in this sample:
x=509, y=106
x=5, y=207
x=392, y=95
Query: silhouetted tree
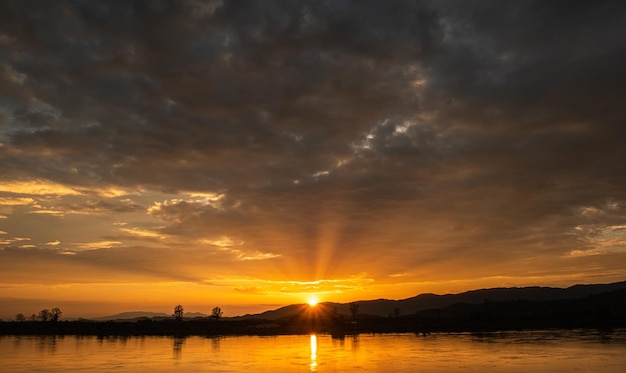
x=354, y=310
x=55, y=314
x=20, y=317
x=32, y=317
x=216, y=313
x=44, y=315
x=178, y=313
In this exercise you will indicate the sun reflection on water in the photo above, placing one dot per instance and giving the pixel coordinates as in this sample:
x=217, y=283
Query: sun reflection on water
x=313, y=364
x=536, y=351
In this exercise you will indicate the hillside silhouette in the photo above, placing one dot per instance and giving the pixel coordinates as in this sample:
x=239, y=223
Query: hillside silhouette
x=139, y=315
x=580, y=306
x=383, y=307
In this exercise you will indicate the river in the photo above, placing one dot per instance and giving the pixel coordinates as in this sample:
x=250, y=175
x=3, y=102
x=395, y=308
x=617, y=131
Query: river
x=521, y=351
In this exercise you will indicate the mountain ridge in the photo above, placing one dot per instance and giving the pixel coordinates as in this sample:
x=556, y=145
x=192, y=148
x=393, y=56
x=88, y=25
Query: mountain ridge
x=384, y=307
x=133, y=315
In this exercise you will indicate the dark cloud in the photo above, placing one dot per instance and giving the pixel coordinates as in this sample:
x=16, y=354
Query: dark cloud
x=380, y=135
x=103, y=207
x=235, y=80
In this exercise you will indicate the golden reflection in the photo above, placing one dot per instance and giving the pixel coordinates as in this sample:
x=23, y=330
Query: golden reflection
x=285, y=353
x=313, y=364
x=178, y=343
x=355, y=343
x=339, y=340
x=48, y=343
x=215, y=343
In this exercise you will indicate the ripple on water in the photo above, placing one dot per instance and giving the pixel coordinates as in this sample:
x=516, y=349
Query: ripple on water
x=537, y=351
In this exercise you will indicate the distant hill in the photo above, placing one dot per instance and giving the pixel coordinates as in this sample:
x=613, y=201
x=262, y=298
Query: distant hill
x=143, y=314
x=413, y=305
x=279, y=313
x=131, y=315
x=409, y=306
x=603, y=312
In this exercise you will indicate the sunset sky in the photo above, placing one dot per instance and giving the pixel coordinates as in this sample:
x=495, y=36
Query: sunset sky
x=249, y=154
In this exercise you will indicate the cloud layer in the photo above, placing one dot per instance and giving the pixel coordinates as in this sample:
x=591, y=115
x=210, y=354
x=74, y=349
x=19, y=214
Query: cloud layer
x=422, y=146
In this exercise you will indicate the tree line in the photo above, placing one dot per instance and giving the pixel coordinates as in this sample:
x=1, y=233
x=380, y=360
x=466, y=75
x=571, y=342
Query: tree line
x=216, y=313
x=54, y=314
x=44, y=315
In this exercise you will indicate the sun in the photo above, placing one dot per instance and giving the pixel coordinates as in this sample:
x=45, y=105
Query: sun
x=312, y=301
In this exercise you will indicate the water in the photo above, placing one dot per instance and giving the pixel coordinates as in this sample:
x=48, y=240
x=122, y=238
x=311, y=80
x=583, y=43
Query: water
x=528, y=351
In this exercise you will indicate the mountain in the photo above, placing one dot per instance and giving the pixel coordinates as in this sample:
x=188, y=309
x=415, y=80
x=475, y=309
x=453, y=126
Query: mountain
x=281, y=312
x=191, y=315
x=132, y=315
x=142, y=314
x=409, y=306
x=385, y=307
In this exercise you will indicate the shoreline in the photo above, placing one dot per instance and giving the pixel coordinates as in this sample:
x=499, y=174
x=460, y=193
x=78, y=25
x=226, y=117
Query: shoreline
x=259, y=327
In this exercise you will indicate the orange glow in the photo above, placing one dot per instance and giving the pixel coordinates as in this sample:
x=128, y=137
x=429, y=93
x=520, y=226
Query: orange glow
x=312, y=301
x=313, y=364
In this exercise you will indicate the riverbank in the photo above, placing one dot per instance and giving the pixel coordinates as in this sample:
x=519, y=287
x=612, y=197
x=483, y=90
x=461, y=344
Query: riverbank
x=264, y=327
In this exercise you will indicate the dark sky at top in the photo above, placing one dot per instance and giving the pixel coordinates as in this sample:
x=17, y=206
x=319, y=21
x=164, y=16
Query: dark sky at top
x=285, y=147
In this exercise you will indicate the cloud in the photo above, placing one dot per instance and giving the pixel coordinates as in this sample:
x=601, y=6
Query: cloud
x=36, y=187
x=439, y=140
x=144, y=233
x=90, y=207
x=24, y=201
x=96, y=245
x=48, y=212
x=255, y=256
x=176, y=209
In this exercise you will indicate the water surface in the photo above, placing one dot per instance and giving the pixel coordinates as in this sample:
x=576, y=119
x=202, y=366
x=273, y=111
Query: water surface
x=526, y=351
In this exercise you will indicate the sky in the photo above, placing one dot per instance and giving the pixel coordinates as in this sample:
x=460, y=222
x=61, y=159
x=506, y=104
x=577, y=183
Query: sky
x=249, y=154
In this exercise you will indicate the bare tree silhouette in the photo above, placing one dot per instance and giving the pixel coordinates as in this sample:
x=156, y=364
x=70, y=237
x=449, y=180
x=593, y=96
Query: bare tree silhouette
x=216, y=313
x=55, y=314
x=44, y=315
x=178, y=313
x=20, y=317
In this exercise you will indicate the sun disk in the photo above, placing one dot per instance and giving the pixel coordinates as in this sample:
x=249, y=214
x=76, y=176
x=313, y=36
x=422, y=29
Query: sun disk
x=312, y=301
